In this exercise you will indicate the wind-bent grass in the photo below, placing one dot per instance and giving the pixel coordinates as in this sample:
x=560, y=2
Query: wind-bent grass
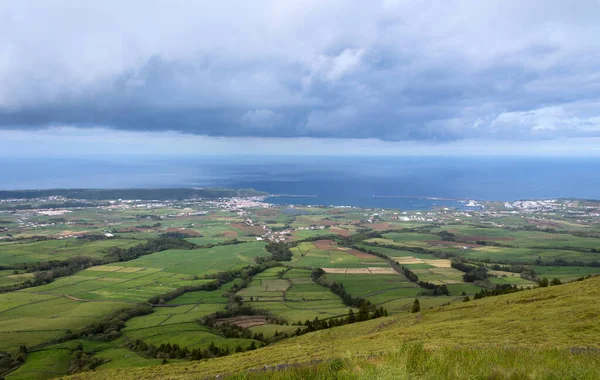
x=412, y=361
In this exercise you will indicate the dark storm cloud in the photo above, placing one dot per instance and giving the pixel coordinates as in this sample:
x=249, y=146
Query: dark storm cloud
x=394, y=70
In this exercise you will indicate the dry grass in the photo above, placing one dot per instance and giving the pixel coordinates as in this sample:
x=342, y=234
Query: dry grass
x=438, y=263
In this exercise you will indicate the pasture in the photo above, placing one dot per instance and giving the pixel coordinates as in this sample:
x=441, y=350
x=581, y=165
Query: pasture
x=327, y=254
x=9, y=277
x=379, y=289
x=524, y=239
x=564, y=273
x=16, y=252
x=33, y=318
x=294, y=297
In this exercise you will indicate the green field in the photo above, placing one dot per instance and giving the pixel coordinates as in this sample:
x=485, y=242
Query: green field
x=9, y=277
x=27, y=252
x=393, y=292
x=526, y=239
x=294, y=297
x=32, y=319
x=43, y=364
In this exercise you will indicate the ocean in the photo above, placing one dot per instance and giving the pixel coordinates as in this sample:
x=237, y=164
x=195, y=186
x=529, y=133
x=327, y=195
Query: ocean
x=391, y=182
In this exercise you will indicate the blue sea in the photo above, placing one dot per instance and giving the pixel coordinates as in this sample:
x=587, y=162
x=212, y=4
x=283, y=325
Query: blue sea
x=392, y=182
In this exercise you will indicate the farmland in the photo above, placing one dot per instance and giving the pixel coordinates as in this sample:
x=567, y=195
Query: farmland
x=293, y=297
x=502, y=335
x=105, y=280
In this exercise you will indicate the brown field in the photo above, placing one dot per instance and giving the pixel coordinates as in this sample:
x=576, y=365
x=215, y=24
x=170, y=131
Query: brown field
x=254, y=230
x=358, y=271
x=378, y=226
x=381, y=270
x=407, y=260
x=325, y=245
x=244, y=321
x=341, y=231
x=74, y=233
x=361, y=255
x=441, y=263
x=230, y=234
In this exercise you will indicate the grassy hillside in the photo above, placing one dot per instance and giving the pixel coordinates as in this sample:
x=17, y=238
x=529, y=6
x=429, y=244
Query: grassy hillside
x=543, y=333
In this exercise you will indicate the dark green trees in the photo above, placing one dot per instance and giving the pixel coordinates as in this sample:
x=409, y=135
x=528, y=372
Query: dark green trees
x=416, y=307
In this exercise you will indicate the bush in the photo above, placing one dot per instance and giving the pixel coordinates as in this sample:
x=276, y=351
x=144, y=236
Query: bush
x=416, y=307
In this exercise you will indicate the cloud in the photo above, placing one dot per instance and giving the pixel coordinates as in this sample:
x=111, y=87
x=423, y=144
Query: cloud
x=69, y=142
x=393, y=70
x=333, y=68
x=326, y=121
x=260, y=118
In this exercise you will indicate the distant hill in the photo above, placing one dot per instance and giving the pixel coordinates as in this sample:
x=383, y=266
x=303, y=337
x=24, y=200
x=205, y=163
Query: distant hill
x=543, y=333
x=142, y=194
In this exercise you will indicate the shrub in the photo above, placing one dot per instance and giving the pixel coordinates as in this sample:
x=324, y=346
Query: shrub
x=416, y=307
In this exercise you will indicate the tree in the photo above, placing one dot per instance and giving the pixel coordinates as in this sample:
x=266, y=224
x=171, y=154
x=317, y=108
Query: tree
x=543, y=283
x=416, y=307
x=555, y=281
x=351, y=317
x=363, y=312
x=466, y=299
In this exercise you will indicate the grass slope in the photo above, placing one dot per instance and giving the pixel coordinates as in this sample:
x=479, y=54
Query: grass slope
x=544, y=331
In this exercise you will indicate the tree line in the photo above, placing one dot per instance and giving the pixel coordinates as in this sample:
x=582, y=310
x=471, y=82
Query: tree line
x=174, y=351
x=435, y=290
x=365, y=313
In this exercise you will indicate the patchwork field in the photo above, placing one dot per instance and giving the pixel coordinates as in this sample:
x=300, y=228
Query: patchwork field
x=391, y=291
x=327, y=254
x=293, y=297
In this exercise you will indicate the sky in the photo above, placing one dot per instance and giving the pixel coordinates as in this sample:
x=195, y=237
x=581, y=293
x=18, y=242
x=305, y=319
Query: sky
x=403, y=77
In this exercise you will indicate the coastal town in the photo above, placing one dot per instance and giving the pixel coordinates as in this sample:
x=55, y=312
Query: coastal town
x=532, y=212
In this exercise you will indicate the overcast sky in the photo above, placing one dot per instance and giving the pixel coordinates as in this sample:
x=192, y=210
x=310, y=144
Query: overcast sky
x=377, y=77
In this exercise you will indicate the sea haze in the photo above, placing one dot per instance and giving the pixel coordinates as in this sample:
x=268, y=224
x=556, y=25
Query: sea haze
x=396, y=182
